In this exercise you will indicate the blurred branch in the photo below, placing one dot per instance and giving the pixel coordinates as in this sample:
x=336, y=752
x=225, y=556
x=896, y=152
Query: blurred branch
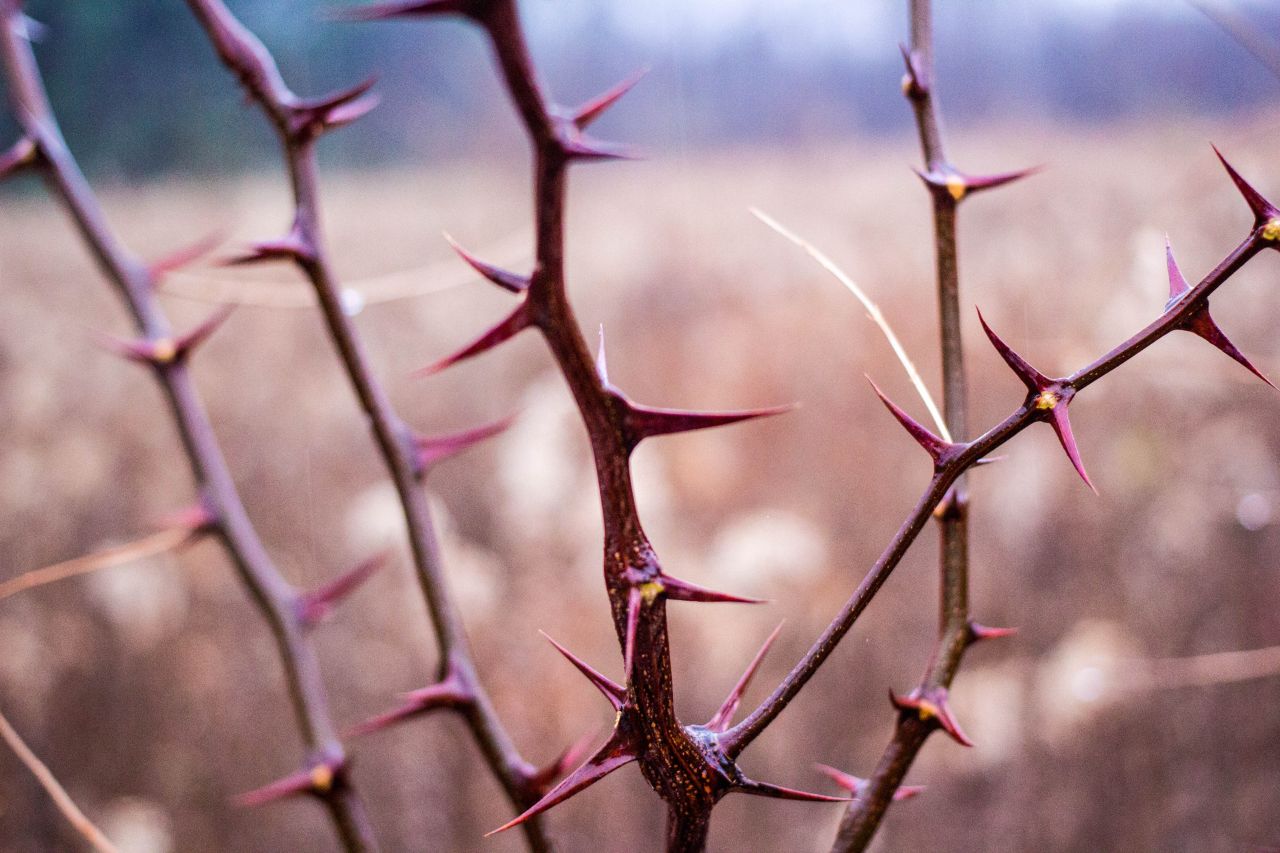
x=1243, y=31
x=1208, y=670
x=56, y=792
x=148, y=546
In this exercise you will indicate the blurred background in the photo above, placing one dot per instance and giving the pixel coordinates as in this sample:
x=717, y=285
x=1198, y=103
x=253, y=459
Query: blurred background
x=153, y=691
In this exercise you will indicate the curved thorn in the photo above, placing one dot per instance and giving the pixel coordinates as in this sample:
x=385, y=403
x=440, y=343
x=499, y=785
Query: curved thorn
x=617, y=752
x=719, y=722
x=504, y=279
x=586, y=114
x=1061, y=423
x=933, y=445
x=1032, y=378
x=614, y=692
x=434, y=449
x=510, y=326
x=315, y=606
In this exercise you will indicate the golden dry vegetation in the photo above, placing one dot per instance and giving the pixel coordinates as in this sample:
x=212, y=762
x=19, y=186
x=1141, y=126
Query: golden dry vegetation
x=154, y=693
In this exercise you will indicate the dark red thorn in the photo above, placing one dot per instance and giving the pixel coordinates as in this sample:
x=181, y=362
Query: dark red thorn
x=448, y=694
x=934, y=446
x=857, y=786
x=19, y=156
x=434, y=449
x=290, y=247
x=1032, y=378
x=617, y=752
x=614, y=692
x=777, y=792
x=1265, y=213
x=506, y=329
x=931, y=706
x=167, y=351
x=719, y=722
x=409, y=9
x=539, y=781
x=643, y=422
x=504, y=279
x=585, y=115
x=1061, y=423
x=319, y=779
x=1200, y=322
x=979, y=632
x=914, y=86
x=635, y=600
x=585, y=148
x=184, y=256
x=680, y=590
x=316, y=606
x=959, y=185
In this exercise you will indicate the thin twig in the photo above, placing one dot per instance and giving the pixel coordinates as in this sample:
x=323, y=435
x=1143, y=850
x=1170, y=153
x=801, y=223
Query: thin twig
x=1245, y=33
x=148, y=546
x=96, y=838
x=873, y=311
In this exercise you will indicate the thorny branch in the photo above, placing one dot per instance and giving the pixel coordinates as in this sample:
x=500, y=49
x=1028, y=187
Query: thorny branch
x=299, y=123
x=692, y=767
x=956, y=630
x=221, y=511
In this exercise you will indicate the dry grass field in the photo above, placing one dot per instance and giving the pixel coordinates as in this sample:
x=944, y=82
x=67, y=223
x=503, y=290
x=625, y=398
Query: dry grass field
x=154, y=693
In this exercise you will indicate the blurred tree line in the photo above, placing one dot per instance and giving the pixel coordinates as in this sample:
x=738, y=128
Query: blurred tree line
x=140, y=93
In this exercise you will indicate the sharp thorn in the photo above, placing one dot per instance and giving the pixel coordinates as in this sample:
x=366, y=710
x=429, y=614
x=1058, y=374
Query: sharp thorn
x=448, y=694
x=676, y=589
x=647, y=422
x=777, y=792
x=719, y=721
x=614, y=692
x=1061, y=423
x=585, y=115
x=617, y=752
x=937, y=448
x=504, y=279
x=317, y=605
x=510, y=326
x=857, y=786
x=19, y=156
x=1032, y=378
x=979, y=632
x=1265, y=213
x=540, y=780
x=932, y=706
x=319, y=779
x=435, y=449
x=184, y=256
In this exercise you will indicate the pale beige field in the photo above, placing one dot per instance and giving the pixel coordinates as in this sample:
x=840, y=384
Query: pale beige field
x=154, y=693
